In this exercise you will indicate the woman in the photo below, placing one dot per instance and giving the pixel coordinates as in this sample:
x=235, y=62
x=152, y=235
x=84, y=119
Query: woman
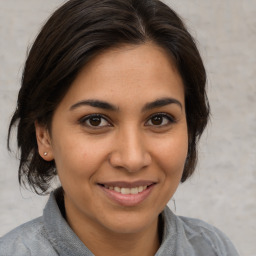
x=113, y=102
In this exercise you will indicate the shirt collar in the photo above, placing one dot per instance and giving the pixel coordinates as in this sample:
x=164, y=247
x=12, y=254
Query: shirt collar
x=67, y=243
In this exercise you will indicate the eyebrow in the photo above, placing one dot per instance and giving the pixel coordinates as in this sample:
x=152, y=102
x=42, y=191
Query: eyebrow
x=94, y=103
x=105, y=105
x=161, y=103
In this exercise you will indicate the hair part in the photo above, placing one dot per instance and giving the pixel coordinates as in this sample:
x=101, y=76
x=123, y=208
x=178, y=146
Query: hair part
x=73, y=35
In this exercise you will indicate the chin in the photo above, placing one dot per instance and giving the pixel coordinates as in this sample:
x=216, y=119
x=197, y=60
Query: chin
x=130, y=222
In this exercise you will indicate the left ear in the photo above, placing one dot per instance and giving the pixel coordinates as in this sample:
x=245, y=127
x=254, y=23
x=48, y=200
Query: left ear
x=44, y=142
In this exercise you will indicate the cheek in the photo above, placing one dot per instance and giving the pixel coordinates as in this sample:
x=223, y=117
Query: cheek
x=79, y=158
x=172, y=153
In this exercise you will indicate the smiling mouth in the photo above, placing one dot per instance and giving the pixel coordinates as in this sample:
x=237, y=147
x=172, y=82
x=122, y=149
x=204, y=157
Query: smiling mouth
x=127, y=191
x=128, y=194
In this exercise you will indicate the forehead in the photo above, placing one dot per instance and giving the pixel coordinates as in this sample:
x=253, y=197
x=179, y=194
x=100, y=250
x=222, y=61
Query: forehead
x=129, y=72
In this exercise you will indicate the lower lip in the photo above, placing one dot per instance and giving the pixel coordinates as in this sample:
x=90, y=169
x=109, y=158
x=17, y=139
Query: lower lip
x=130, y=199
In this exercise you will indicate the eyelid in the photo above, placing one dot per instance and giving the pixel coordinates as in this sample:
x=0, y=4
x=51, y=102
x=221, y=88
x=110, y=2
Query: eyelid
x=83, y=120
x=170, y=118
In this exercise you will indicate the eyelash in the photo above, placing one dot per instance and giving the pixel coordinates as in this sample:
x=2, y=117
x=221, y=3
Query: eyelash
x=170, y=119
x=83, y=121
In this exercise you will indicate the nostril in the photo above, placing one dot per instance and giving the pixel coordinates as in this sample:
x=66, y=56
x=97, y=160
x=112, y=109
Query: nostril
x=132, y=160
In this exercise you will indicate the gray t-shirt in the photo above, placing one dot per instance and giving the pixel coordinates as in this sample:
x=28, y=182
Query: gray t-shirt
x=51, y=235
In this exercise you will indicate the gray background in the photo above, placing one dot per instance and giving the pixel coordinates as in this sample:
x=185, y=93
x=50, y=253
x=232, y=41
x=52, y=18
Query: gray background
x=223, y=190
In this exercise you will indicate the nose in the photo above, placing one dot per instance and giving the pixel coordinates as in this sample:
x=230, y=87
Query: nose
x=130, y=151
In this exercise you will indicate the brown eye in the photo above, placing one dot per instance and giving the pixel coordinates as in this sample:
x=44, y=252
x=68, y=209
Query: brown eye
x=94, y=121
x=157, y=120
x=160, y=119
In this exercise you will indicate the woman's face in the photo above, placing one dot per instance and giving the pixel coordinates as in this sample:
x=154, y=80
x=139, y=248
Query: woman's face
x=119, y=139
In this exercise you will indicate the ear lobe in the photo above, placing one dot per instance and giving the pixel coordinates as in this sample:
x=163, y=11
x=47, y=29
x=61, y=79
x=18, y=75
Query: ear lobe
x=43, y=142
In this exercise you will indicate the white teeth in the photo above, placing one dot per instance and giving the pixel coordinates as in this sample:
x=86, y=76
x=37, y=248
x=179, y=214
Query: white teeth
x=127, y=191
x=117, y=189
x=134, y=191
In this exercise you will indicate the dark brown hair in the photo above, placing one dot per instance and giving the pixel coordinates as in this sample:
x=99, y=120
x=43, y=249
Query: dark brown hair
x=79, y=30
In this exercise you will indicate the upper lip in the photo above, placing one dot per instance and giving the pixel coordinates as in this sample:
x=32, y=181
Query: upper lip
x=125, y=184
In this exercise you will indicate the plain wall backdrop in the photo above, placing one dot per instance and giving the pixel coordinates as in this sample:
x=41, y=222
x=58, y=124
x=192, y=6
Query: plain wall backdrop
x=223, y=189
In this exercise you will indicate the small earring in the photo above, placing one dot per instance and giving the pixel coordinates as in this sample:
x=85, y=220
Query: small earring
x=45, y=153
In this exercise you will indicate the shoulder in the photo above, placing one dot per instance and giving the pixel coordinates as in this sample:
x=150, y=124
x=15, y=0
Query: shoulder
x=27, y=239
x=201, y=235
x=196, y=237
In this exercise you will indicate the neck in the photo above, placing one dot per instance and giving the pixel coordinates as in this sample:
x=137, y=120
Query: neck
x=123, y=244
x=104, y=242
